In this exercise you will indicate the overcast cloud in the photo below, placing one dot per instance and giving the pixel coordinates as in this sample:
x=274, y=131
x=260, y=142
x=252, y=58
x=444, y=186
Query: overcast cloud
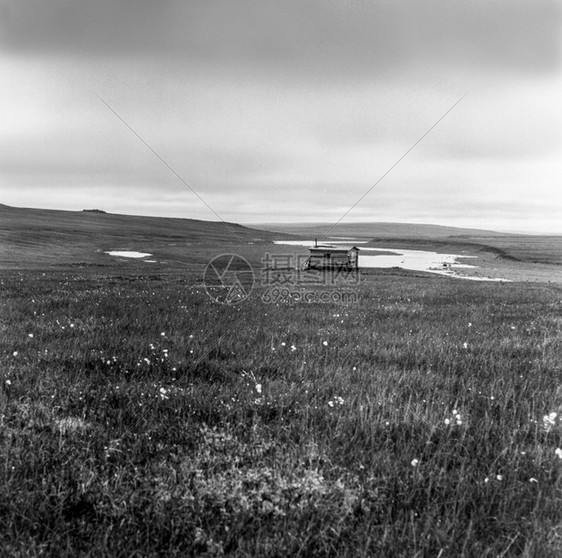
x=286, y=110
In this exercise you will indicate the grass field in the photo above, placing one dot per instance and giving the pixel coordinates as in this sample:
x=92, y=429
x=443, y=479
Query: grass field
x=140, y=418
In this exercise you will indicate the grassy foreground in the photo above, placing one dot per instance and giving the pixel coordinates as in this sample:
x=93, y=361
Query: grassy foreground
x=141, y=419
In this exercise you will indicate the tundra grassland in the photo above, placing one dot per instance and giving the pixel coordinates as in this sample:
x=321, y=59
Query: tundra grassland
x=140, y=418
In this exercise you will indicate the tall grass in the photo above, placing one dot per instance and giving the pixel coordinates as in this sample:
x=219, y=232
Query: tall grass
x=141, y=419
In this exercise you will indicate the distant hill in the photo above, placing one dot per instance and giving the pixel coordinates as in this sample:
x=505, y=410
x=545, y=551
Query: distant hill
x=23, y=224
x=33, y=237
x=379, y=230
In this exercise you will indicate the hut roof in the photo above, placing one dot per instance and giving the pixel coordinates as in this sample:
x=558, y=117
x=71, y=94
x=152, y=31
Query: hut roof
x=330, y=248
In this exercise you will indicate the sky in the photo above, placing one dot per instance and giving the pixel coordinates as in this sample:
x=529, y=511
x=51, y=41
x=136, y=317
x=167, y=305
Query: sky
x=286, y=110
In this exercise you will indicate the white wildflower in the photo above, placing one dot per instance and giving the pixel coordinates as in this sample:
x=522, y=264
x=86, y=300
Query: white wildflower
x=548, y=421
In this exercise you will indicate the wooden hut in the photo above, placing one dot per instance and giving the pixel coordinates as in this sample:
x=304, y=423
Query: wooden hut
x=333, y=257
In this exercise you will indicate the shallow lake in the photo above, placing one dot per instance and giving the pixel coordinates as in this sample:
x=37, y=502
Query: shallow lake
x=415, y=260
x=128, y=254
